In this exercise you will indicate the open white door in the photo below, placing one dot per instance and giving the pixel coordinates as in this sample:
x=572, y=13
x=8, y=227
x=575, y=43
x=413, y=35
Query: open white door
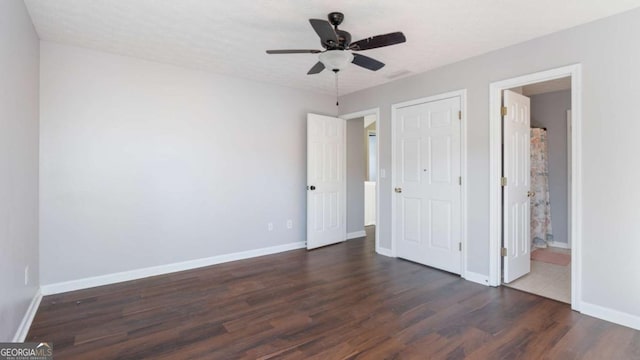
x=516, y=231
x=326, y=182
x=427, y=179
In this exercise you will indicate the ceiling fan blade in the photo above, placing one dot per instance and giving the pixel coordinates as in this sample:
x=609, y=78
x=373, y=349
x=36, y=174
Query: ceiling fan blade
x=325, y=31
x=293, y=51
x=318, y=67
x=367, y=62
x=378, y=41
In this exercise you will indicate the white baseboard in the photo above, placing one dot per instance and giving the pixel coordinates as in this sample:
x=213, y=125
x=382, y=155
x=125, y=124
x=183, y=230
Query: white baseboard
x=610, y=315
x=25, y=324
x=94, y=281
x=384, y=252
x=559, y=245
x=356, y=234
x=476, y=278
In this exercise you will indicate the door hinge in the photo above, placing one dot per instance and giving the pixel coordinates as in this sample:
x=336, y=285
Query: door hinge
x=503, y=111
x=503, y=252
x=503, y=181
x=459, y=115
x=460, y=246
x=459, y=180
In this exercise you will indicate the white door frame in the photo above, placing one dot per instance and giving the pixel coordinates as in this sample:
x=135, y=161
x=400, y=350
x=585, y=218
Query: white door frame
x=569, y=177
x=462, y=94
x=356, y=115
x=495, y=172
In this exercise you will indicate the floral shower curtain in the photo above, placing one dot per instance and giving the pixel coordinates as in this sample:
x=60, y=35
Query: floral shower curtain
x=541, y=232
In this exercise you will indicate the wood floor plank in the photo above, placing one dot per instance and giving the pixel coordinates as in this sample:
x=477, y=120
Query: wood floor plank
x=338, y=302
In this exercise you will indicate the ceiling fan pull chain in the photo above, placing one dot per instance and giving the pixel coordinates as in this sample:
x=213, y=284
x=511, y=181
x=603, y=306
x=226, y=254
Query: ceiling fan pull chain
x=337, y=93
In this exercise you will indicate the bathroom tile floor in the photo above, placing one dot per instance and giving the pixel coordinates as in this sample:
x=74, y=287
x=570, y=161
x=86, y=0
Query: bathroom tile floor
x=548, y=280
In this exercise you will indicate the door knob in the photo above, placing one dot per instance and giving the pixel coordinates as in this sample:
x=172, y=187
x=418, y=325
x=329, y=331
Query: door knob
x=398, y=190
x=312, y=187
x=531, y=193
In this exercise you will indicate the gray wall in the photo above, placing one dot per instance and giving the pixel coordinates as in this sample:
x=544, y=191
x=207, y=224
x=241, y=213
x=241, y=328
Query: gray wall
x=550, y=111
x=146, y=164
x=610, y=216
x=356, y=169
x=19, y=64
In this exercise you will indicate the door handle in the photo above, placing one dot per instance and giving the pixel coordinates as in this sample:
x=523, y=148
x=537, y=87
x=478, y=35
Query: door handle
x=530, y=193
x=398, y=190
x=312, y=187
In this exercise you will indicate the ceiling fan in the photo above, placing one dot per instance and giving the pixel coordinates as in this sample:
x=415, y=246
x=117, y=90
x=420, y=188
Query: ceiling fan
x=339, y=50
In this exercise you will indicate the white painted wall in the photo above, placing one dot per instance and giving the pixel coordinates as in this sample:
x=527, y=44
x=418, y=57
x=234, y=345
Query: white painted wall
x=611, y=220
x=371, y=151
x=549, y=110
x=145, y=164
x=19, y=59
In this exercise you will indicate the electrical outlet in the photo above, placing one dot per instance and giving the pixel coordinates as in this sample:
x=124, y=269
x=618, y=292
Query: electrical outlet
x=289, y=224
x=26, y=275
x=270, y=226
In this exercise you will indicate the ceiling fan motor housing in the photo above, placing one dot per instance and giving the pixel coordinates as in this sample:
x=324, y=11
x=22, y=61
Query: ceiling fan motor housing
x=344, y=39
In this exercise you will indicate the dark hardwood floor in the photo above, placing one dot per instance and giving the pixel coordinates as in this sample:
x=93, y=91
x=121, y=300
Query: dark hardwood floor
x=338, y=302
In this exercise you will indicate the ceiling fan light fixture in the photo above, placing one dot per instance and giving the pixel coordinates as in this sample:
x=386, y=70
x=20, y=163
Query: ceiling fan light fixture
x=336, y=59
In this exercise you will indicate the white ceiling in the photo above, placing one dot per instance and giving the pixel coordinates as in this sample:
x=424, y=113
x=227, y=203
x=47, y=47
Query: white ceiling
x=230, y=37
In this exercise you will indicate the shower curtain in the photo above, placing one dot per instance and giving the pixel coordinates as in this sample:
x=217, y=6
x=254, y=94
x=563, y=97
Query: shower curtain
x=541, y=232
